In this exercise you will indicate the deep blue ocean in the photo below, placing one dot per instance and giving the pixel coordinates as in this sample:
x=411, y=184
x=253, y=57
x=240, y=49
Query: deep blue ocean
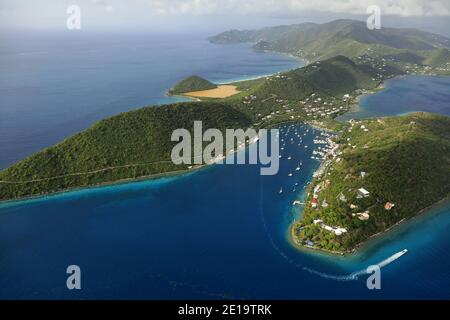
x=220, y=232
x=55, y=85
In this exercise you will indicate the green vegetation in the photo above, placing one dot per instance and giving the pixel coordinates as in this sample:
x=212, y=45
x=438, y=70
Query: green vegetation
x=399, y=160
x=314, y=42
x=311, y=93
x=190, y=84
x=333, y=77
x=312, y=35
x=327, y=124
x=137, y=144
x=128, y=146
x=438, y=58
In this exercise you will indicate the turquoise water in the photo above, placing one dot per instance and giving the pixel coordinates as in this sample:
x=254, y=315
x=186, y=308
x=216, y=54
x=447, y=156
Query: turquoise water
x=220, y=232
x=406, y=94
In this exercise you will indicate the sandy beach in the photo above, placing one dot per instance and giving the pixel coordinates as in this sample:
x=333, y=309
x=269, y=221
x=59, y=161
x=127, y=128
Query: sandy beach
x=222, y=91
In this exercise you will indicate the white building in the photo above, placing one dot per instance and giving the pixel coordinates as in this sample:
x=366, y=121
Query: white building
x=363, y=192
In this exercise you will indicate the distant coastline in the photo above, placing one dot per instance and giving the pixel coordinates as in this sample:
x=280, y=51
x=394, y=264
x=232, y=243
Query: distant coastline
x=354, y=107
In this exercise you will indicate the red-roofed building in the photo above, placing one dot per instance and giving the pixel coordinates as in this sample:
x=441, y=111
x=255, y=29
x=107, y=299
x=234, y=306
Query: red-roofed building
x=388, y=206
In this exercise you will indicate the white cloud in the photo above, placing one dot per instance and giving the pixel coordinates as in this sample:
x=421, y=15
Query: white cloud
x=104, y=4
x=209, y=14
x=404, y=8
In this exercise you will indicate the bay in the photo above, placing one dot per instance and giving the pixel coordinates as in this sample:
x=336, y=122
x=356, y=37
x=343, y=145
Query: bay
x=221, y=232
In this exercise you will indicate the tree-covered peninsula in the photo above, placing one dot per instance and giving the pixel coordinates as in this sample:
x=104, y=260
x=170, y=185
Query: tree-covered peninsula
x=137, y=144
x=130, y=145
x=377, y=173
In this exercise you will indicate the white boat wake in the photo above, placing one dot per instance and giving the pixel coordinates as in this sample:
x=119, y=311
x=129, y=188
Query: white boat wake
x=350, y=277
x=355, y=275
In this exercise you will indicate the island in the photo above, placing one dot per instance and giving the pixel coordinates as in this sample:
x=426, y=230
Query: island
x=375, y=173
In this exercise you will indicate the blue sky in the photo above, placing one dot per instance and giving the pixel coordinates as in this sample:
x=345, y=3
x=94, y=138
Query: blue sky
x=211, y=16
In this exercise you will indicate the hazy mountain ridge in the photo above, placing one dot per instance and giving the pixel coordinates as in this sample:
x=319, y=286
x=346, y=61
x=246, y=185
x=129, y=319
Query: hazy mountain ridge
x=341, y=37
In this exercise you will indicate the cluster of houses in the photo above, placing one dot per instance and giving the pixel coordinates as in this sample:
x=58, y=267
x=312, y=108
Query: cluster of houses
x=376, y=63
x=355, y=124
x=249, y=99
x=444, y=69
x=314, y=201
x=328, y=153
x=331, y=154
x=274, y=114
x=312, y=107
x=336, y=230
x=277, y=76
x=363, y=216
x=418, y=69
x=427, y=70
x=315, y=107
x=380, y=64
x=361, y=193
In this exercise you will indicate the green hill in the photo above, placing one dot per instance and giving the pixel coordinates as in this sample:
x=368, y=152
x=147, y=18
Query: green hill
x=297, y=37
x=407, y=57
x=190, y=84
x=312, y=92
x=130, y=145
x=341, y=37
x=137, y=144
x=402, y=160
x=438, y=58
x=332, y=77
